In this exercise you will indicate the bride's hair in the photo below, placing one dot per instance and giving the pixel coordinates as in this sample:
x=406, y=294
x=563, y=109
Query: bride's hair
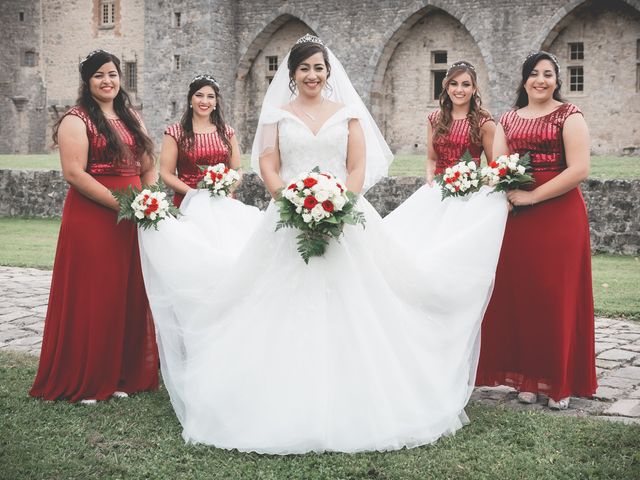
x=299, y=53
x=476, y=112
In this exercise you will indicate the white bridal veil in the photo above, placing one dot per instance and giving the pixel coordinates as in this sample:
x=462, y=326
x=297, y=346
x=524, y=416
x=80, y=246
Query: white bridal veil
x=340, y=89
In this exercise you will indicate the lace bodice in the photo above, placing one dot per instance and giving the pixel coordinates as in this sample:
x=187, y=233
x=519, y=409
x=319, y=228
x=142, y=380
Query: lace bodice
x=301, y=150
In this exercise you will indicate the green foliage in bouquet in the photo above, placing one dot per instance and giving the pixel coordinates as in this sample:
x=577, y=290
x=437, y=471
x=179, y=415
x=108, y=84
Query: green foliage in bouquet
x=315, y=235
x=130, y=210
x=516, y=180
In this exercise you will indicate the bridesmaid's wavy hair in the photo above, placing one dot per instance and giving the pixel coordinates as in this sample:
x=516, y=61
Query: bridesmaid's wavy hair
x=476, y=112
x=216, y=117
x=299, y=53
x=115, y=147
x=522, y=99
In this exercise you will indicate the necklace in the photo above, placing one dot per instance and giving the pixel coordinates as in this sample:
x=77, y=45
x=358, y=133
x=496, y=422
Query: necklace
x=311, y=117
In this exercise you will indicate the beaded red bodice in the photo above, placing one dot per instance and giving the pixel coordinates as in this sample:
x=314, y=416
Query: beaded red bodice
x=98, y=162
x=540, y=136
x=207, y=149
x=451, y=146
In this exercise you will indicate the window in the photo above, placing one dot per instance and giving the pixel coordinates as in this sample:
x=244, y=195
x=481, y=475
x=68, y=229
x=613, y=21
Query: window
x=272, y=64
x=576, y=51
x=439, y=57
x=21, y=16
x=576, y=79
x=176, y=62
x=131, y=76
x=177, y=19
x=107, y=13
x=437, y=77
x=29, y=58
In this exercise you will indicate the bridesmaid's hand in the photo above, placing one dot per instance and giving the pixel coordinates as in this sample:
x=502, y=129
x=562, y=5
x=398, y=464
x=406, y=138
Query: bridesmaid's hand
x=430, y=177
x=521, y=198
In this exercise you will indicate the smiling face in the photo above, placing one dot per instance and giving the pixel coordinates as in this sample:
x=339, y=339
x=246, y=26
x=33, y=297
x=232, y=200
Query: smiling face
x=542, y=82
x=104, y=84
x=203, y=101
x=311, y=75
x=460, y=89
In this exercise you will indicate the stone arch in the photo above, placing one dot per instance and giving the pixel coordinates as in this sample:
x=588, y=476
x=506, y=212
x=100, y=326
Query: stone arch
x=563, y=16
x=609, y=32
x=398, y=33
x=251, y=80
x=408, y=70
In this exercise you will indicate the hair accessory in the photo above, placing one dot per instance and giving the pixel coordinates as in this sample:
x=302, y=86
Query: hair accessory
x=461, y=63
x=91, y=54
x=551, y=55
x=308, y=38
x=204, y=76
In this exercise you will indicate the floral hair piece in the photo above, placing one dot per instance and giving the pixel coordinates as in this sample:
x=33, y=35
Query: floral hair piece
x=308, y=38
x=461, y=63
x=92, y=53
x=205, y=76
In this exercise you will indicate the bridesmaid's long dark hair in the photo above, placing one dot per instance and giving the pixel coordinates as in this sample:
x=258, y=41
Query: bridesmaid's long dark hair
x=476, y=112
x=115, y=148
x=522, y=99
x=216, y=117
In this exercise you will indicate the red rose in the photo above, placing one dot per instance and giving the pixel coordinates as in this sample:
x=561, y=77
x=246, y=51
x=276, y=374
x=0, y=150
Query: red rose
x=292, y=186
x=493, y=164
x=502, y=171
x=328, y=206
x=310, y=202
x=226, y=170
x=219, y=176
x=309, y=182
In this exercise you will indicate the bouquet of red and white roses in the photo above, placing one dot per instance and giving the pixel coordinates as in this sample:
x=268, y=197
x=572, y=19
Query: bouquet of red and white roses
x=219, y=179
x=146, y=206
x=460, y=179
x=508, y=172
x=319, y=205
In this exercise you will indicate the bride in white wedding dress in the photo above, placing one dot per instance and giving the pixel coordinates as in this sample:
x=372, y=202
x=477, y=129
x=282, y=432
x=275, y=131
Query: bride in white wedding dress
x=369, y=347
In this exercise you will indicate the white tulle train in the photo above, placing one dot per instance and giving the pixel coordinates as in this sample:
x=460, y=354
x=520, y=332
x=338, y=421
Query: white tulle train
x=371, y=347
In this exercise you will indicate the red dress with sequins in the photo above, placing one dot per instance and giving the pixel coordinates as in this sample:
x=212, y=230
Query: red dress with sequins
x=538, y=331
x=451, y=147
x=207, y=149
x=98, y=335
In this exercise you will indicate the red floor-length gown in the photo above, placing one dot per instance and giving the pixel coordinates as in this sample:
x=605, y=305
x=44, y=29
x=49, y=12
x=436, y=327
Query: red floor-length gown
x=207, y=149
x=538, y=331
x=98, y=336
x=451, y=147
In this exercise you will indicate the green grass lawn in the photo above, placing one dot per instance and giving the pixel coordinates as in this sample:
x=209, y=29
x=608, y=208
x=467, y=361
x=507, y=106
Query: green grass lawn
x=139, y=437
x=403, y=165
x=616, y=279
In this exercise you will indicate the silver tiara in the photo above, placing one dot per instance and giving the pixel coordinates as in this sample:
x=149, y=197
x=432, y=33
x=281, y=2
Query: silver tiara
x=461, y=63
x=551, y=55
x=91, y=54
x=308, y=38
x=205, y=76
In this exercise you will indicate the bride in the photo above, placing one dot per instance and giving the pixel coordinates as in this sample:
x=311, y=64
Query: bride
x=369, y=347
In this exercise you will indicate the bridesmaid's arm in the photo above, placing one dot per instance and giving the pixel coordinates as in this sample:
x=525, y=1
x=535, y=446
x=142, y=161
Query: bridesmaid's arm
x=499, y=146
x=74, y=148
x=432, y=156
x=575, y=136
x=487, y=135
x=356, y=160
x=235, y=161
x=270, y=165
x=149, y=174
x=168, y=165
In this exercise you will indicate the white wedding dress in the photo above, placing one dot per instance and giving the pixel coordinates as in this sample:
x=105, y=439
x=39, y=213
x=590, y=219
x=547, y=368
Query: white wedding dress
x=371, y=347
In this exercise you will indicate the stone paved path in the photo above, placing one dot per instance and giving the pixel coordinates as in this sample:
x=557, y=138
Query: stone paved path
x=24, y=294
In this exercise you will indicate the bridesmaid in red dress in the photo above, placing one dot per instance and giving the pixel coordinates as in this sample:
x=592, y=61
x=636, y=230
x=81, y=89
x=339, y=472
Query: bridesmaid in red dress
x=200, y=138
x=459, y=124
x=99, y=339
x=538, y=331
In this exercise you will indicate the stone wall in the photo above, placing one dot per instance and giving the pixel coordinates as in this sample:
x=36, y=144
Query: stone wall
x=612, y=204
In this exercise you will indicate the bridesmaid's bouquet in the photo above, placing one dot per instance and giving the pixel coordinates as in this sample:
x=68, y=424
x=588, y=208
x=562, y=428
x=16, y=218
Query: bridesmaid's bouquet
x=146, y=207
x=508, y=172
x=319, y=205
x=219, y=179
x=461, y=179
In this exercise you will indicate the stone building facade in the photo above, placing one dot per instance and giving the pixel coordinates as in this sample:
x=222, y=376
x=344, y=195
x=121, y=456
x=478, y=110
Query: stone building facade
x=394, y=51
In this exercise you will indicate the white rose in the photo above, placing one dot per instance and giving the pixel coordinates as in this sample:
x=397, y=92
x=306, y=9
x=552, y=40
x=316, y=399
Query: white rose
x=306, y=217
x=322, y=195
x=139, y=214
x=521, y=169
